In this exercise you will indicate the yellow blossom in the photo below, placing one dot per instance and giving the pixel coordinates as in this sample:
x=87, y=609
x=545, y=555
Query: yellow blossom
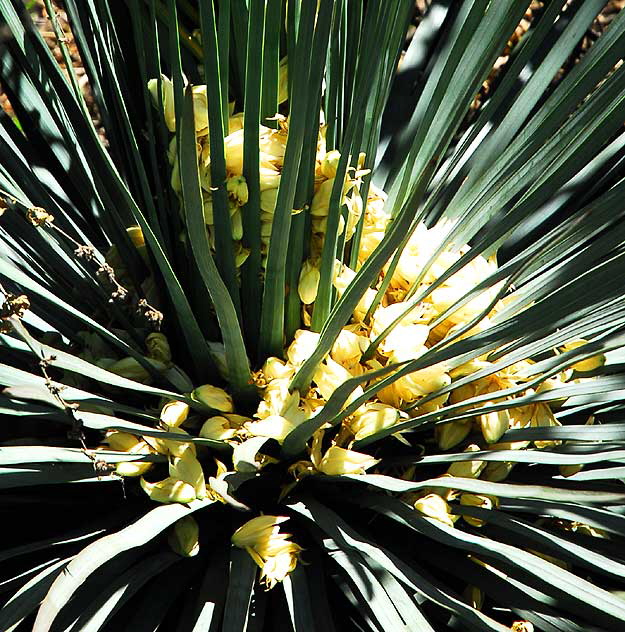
x=213, y=397
x=435, y=507
x=274, y=368
x=304, y=343
x=589, y=364
x=337, y=461
x=170, y=490
x=217, y=428
x=494, y=424
x=329, y=376
x=450, y=434
x=467, y=469
x=371, y=418
x=273, y=427
x=187, y=468
x=273, y=552
x=348, y=347
x=483, y=501
x=174, y=413
x=308, y=282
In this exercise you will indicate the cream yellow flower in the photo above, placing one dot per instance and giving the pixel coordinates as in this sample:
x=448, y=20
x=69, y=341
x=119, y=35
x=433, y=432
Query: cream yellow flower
x=274, y=368
x=308, y=282
x=273, y=427
x=435, y=507
x=467, y=469
x=217, y=428
x=278, y=400
x=170, y=490
x=187, y=468
x=371, y=418
x=124, y=442
x=494, y=424
x=590, y=364
x=337, y=461
x=273, y=552
x=304, y=343
x=450, y=434
x=343, y=276
x=329, y=376
x=348, y=347
x=483, y=501
x=167, y=88
x=213, y=397
x=174, y=413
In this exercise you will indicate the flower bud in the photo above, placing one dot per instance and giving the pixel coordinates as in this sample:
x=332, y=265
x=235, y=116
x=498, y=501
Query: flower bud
x=132, y=370
x=337, y=461
x=308, y=282
x=171, y=446
x=158, y=347
x=495, y=472
x=170, y=490
x=494, y=424
x=543, y=417
x=237, y=188
x=330, y=163
x=467, y=469
x=570, y=470
x=123, y=441
x=174, y=413
x=451, y=434
x=188, y=469
x=217, y=428
x=371, y=418
x=589, y=364
x=348, y=347
x=304, y=343
x=483, y=501
x=132, y=468
x=473, y=596
x=274, y=368
x=184, y=537
x=167, y=88
x=435, y=507
x=213, y=397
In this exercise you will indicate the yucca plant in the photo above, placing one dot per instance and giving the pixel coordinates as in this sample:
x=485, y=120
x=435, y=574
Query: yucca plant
x=307, y=337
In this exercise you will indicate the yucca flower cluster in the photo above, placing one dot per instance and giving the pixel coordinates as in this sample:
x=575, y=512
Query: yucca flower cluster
x=303, y=331
x=388, y=328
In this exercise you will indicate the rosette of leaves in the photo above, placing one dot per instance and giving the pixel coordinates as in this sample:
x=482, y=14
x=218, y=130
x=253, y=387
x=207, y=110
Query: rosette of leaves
x=102, y=326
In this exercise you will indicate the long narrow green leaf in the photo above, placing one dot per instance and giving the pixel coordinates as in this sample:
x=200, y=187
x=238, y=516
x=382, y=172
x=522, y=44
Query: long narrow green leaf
x=243, y=571
x=272, y=318
x=104, y=549
x=224, y=251
x=236, y=357
x=251, y=269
